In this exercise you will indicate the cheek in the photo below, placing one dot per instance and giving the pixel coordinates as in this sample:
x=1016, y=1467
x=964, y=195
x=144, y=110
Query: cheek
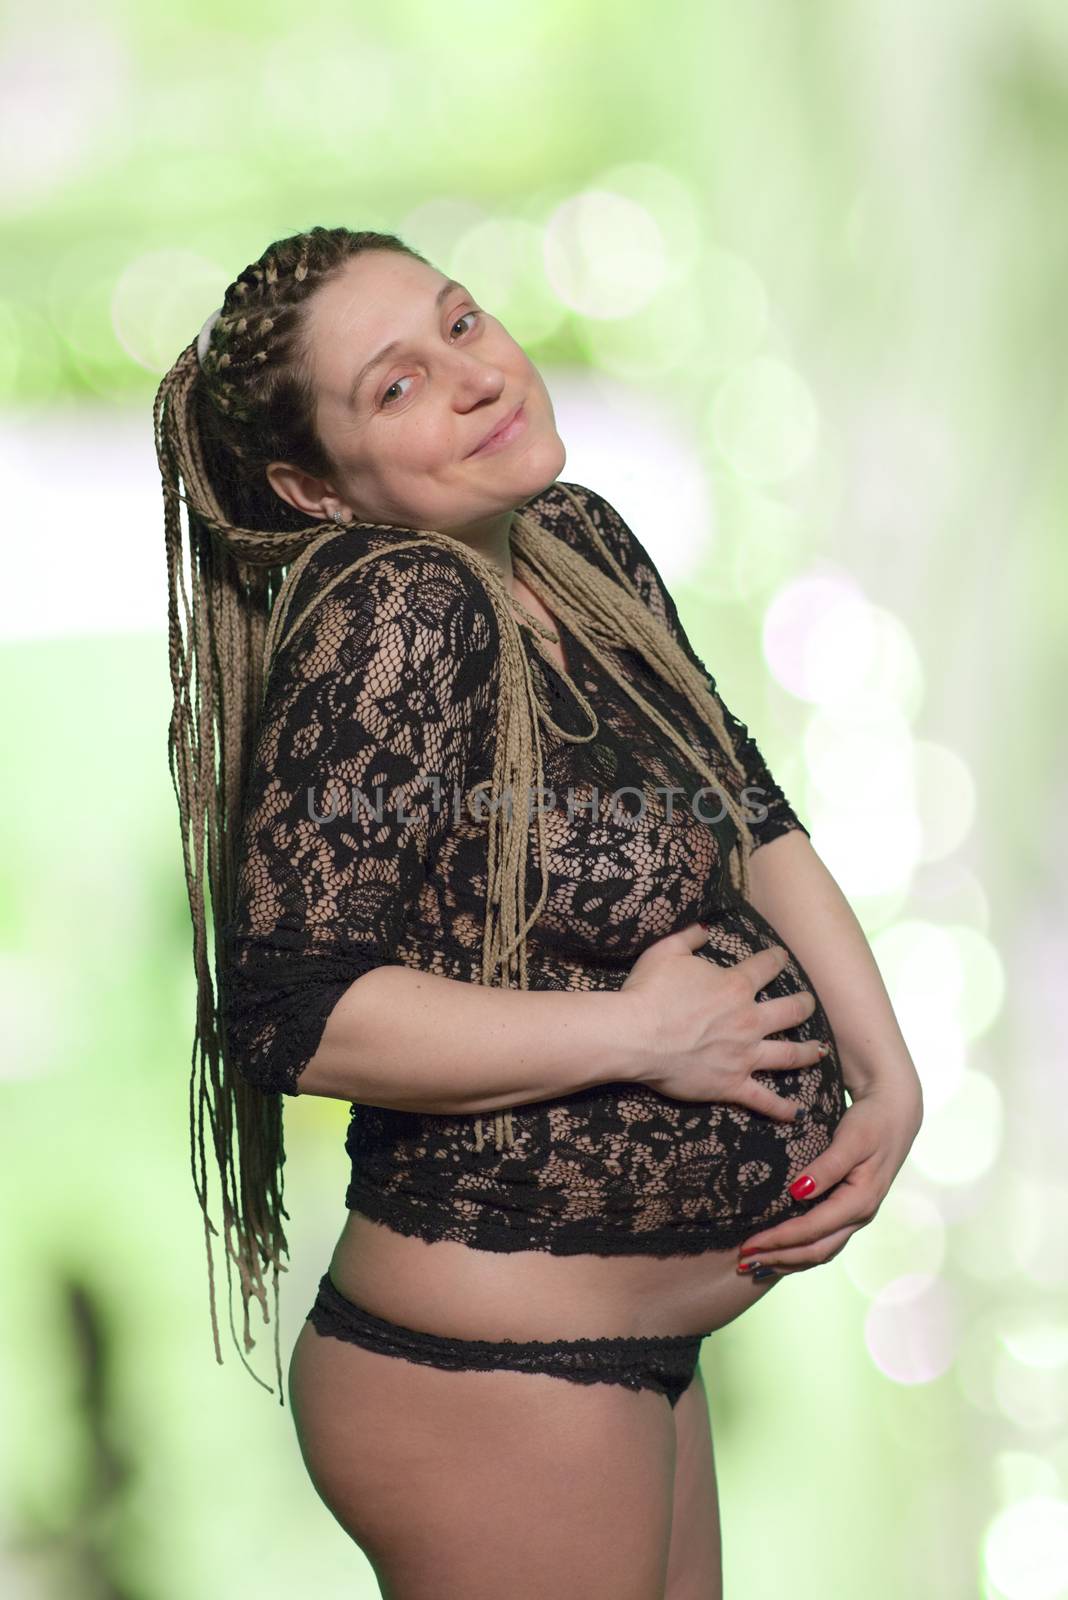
x=534, y=383
x=416, y=441
x=527, y=368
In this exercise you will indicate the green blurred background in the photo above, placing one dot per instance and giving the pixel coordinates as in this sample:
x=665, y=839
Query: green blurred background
x=794, y=274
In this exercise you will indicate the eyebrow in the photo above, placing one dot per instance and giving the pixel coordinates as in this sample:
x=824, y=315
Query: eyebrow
x=395, y=344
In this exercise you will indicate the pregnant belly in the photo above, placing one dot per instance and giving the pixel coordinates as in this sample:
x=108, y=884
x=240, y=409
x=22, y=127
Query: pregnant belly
x=616, y=1168
x=647, y=1195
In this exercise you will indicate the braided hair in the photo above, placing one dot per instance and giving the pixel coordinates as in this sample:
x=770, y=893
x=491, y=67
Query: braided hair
x=219, y=419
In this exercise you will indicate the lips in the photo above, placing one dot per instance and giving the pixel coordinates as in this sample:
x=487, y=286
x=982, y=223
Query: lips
x=499, y=428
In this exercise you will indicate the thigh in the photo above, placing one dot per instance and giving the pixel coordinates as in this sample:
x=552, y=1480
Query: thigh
x=695, y=1562
x=478, y=1484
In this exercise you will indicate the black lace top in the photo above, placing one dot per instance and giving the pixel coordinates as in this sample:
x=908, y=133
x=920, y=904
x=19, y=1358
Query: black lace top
x=391, y=679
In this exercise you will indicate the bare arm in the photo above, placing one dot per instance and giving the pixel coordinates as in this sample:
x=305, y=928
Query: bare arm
x=416, y=1041
x=792, y=888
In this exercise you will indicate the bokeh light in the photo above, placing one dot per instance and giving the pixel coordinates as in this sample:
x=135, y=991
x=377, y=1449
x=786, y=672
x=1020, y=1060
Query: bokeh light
x=605, y=255
x=1026, y=1549
x=827, y=643
x=912, y=1328
x=801, y=328
x=961, y=1136
x=763, y=420
x=907, y=1237
x=157, y=298
x=501, y=262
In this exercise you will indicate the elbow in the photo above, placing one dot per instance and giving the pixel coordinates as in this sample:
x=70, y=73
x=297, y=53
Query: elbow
x=269, y=1070
x=267, y=1044
x=344, y=1037
x=293, y=1045
x=275, y=1007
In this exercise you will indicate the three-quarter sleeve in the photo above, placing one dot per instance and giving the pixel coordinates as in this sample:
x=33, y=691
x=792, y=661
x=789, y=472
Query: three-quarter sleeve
x=761, y=793
x=371, y=710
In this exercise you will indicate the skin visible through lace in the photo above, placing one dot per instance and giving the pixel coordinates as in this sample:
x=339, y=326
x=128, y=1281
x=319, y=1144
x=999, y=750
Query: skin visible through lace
x=216, y=412
x=616, y=1171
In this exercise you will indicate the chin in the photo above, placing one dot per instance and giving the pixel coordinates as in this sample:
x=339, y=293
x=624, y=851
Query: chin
x=545, y=464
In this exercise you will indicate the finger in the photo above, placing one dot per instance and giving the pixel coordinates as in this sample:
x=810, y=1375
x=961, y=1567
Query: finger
x=850, y=1146
x=785, y=1011
x=771, y=1104
x=764, y=965
x=847, y=1207
x=786, y=1055
x=801, y=1258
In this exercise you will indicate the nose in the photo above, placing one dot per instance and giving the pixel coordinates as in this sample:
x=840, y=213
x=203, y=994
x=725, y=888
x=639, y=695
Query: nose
x=476, y=380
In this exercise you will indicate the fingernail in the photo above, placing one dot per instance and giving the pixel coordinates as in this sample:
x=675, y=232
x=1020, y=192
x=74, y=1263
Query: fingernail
x=802, y=1186
x=825, y=1048
x=801, y=1113
x=763, y=1272
x=747, y=1266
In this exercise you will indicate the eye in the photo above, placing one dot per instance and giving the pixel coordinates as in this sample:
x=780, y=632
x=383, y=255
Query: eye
x=384, y=405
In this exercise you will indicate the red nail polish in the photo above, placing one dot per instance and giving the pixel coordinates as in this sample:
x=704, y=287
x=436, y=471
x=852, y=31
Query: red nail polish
x=802, y=1186
x=744, y=1266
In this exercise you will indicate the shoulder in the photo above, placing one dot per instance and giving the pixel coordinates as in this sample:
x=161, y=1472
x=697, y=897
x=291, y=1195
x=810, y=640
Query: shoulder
x=385, y=564
x=364, y=581
x=592, y=525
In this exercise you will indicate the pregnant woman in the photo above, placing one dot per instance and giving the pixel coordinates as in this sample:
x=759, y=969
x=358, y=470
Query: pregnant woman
x=489, y=859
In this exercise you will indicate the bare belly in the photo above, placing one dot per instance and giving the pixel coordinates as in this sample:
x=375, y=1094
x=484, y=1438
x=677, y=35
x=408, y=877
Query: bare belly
x=445, y=1287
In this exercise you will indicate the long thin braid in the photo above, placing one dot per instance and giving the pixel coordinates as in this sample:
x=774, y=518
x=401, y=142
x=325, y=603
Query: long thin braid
x=215, y=423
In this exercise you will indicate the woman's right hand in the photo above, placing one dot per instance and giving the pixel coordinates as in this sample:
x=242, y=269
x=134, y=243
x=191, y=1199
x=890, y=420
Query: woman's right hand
x=703, y=1028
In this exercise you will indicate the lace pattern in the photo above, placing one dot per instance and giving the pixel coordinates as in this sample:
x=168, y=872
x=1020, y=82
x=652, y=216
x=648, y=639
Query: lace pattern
x=665, y=1364
x=394, y=678
x=370, y=713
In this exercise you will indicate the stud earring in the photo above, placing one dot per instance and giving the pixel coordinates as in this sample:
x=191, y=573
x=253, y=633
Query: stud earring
x=338, y=518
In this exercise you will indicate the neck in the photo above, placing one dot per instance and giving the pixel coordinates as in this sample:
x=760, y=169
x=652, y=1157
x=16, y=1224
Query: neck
x=491, y=539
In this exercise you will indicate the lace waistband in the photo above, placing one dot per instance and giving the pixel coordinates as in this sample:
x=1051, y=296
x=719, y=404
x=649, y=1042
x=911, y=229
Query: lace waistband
x=665, y=1362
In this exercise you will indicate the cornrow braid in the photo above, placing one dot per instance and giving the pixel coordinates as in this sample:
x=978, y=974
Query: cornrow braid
x=216, y=424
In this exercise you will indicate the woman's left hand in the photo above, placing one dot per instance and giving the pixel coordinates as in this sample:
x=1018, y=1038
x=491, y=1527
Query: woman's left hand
x=868, y=1149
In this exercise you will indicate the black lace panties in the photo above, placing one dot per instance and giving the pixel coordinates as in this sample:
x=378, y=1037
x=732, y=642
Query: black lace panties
x=666, y=1364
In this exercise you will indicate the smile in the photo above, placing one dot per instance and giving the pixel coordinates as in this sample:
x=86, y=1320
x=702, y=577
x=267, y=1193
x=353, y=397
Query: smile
x=509, y=430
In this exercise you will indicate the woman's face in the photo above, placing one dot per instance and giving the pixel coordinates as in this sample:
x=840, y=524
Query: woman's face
x=403, y=430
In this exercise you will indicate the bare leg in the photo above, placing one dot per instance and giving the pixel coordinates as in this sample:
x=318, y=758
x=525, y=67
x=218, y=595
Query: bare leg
x=695, y=1562
x=470, y=1485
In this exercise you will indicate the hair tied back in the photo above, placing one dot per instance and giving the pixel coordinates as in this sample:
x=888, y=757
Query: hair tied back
x=204, y=336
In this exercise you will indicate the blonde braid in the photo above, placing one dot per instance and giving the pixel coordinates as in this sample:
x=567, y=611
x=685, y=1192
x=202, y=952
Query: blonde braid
x=214, y=423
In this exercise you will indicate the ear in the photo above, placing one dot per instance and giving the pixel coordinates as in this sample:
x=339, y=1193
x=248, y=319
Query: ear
x=313, y=496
